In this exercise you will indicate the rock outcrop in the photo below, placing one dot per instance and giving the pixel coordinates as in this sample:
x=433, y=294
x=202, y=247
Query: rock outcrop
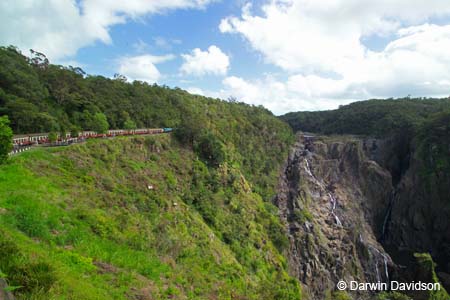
x=357, y=209
x=331, y=198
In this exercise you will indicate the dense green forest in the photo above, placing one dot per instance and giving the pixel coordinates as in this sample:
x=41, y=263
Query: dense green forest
x=371, y=118
x=40, y=97
x=433, y=143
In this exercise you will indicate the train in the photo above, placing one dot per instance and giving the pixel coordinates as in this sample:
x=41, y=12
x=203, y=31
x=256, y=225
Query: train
x=43, y=138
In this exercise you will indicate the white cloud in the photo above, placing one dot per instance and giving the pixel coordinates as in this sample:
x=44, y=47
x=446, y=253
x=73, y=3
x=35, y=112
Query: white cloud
x=59, y=28
x=196, y=91
x=210, y=62
x=319, y=45
x=275, y=95
x=142, y=67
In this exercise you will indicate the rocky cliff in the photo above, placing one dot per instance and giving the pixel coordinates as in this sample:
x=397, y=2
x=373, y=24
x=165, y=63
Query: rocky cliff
x=343, y=201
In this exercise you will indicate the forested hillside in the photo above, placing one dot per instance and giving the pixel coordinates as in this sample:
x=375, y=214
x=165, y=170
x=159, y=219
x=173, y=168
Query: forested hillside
x=370, y=118
x=181, y=216
x=40, y=97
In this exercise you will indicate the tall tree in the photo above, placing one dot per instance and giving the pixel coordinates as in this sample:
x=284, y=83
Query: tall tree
x=129, y=124
x=5, y=139
x=100, y=123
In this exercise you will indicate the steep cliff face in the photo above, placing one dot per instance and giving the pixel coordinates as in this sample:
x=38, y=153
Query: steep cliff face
x=419, y=221
x=332, y=198
x=417, y=218
x=358, y=209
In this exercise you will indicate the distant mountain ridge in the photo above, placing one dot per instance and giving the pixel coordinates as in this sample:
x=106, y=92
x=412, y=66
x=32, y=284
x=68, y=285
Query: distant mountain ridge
x=370, y=118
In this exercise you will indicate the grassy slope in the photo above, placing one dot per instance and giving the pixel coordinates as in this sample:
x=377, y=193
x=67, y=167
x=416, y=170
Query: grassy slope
x=80, y=223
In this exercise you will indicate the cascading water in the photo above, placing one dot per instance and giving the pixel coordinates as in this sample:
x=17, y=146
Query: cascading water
x=341, y=239
x=378, y=272
x=333, y=208
x=336, y=218
x=386, y=268
x=308, y=169
x=333, y=200
x=385, y=263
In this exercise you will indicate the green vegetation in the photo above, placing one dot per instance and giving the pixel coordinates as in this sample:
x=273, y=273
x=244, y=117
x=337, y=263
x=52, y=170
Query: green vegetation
x=81, y=222
x=427, y=268
x=434, y=143
x=302, y=215
x=52, y=137
x=210, y=149
x=41, y=97
x=129, y=124
x=5, y=139
x=392, y=296
x=372, y=118
x=182, y=216
x=340, y=295
x=100, y=123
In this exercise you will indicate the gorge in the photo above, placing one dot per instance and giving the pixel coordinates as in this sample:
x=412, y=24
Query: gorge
x=352, y=215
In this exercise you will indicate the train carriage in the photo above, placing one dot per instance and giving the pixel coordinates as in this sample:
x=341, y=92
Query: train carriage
x=42, y=138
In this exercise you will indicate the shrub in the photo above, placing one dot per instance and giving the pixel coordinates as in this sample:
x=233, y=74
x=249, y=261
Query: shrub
x=302, y=215
x=52, y=137
x=278, y=236
x=210, y=149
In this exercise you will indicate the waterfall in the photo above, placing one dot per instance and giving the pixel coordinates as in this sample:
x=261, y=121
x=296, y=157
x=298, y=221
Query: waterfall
x=308, y=169
x=309, y=172
x=336, y=218
x=378, y=272
x=333, y=202
x=385, y=262
x=333, y=208
x=386, y=268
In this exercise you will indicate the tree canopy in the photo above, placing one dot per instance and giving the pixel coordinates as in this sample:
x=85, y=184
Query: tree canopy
x=100, y=123
x=40, y=97
x=372, y=117
x=5, y=139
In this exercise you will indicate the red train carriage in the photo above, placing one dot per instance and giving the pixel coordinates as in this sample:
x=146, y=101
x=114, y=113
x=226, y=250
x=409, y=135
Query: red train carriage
x=42, y=138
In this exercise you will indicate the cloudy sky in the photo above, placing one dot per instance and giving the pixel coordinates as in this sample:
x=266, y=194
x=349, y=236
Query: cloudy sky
x=287, y=55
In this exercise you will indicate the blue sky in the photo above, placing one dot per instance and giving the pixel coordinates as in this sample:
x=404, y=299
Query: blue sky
x=287, y=55
x=177, y=32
